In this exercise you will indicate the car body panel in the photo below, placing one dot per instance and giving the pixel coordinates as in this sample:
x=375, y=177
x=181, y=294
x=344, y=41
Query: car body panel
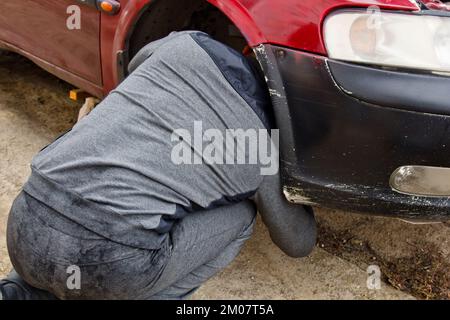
x=90, y=58
x=293, y=23
x=338, y=151
x=38, y=27
x=115, y=30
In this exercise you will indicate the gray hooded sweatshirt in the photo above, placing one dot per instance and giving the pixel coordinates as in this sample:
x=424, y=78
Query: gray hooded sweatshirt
x=114, y=173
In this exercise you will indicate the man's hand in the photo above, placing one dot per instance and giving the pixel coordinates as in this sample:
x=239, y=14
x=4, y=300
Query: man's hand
x=88, y=106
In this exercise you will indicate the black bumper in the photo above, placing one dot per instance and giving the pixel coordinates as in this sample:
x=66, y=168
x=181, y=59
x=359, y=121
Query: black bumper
x=344, y=129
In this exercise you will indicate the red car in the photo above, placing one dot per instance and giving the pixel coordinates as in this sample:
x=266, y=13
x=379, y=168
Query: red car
x=360, y=88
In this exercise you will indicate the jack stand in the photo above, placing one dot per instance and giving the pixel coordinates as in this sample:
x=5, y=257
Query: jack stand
x=78, y=94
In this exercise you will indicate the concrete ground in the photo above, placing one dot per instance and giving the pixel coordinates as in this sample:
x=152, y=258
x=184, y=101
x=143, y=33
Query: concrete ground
x=414, y=259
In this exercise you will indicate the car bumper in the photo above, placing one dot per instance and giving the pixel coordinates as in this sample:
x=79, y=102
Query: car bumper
x=346, y=129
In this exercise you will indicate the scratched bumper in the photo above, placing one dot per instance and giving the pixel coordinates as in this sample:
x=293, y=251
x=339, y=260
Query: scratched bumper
x=344, y=129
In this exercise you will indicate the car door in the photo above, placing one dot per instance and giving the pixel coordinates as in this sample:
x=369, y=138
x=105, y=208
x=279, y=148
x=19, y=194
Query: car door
x=39, y=28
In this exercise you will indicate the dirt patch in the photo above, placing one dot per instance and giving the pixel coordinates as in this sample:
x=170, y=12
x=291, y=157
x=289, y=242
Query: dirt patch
x=34, y=109
x=262, y=271
x=424, y=273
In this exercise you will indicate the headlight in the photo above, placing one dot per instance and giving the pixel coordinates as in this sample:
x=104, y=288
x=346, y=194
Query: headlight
x=389, y=39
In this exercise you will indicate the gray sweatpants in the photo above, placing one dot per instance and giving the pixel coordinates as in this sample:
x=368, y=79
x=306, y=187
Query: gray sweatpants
x=47, y=249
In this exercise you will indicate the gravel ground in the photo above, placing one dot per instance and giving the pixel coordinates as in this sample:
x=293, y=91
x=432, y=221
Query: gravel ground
x=414, y=259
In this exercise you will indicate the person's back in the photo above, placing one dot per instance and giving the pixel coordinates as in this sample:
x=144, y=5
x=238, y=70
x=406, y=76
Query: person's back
x=118, y=159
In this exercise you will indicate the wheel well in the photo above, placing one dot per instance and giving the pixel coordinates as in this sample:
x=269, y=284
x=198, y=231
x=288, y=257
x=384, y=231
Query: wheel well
x=159, y=19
